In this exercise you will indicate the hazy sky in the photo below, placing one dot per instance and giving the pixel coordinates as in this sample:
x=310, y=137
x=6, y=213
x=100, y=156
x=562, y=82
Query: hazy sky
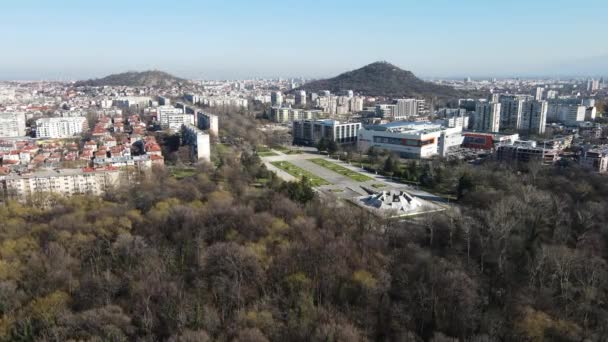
x=312, y=38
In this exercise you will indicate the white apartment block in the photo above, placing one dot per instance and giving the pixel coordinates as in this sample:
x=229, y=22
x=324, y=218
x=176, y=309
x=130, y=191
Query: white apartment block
x=198, y=140
x=206, y=121
x=64, y=127
x=405, y=108
x=284, y=115
x=64, y=182
x=172, y=118
x=12, y=125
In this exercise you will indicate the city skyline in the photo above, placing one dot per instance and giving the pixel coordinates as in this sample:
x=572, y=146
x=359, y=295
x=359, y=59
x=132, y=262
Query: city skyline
x=68, y=40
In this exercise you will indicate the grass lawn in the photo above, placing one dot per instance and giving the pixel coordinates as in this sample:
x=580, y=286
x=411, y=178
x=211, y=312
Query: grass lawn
x=356, y=176
x=182, y=172
x=299, y=173
x=267, y=154
x=287, y=150
x=378, y=186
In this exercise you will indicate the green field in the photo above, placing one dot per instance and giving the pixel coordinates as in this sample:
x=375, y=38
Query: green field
x=356, y=176
x=299, y=173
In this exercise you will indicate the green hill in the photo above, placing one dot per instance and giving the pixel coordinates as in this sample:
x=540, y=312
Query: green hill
x=381, y=79
x=153, y=78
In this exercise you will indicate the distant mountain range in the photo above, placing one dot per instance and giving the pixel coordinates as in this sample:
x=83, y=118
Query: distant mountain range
x=381, y=79
x=152, y=78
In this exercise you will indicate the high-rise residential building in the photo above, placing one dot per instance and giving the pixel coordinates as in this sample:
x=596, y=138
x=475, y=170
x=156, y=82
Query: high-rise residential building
x=588, y=102
x=534, y=117
x=173, y=118
x=199, y=142
x=12, y=124
x=405, y=108
x=511, y=107
x=593, y=85
x=355, y=104
x=538, y=93
x=552, y=94
x=571, y=114
x=301, y=97
x=487, y=117
x=63, y=127
x=590, y=113
x=276, y=98
x=206, y=121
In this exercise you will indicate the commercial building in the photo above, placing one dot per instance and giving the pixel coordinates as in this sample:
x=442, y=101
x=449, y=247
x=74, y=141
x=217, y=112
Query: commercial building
x=62, y=181
x=534, y=117
x=487, y=141
x=309, y=132
x=206, y=121
x=199, y=142
x=414, y=140
x=60, y=127
x=173, y=118
x=12, y=124
x=487, y=117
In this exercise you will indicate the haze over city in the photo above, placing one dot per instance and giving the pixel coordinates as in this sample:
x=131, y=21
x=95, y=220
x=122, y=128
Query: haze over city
x=71, y=39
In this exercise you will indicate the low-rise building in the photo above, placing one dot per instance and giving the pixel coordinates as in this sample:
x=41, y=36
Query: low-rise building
x=62, y=181
x=61, y=127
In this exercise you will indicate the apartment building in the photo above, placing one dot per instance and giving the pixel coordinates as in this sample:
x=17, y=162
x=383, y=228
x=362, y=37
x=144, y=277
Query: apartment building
x=284, y=115
x=199, y=142
x=206, y=121
x=62, y=181
x=309, y=132
x=64, y=127
x=12, y=124
x=172, y=118
x=534, y=117
x=487, y=117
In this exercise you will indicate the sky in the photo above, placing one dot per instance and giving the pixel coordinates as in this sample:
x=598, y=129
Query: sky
x=229, y=39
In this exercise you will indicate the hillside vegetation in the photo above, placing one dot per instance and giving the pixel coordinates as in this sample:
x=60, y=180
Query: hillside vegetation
x=381, y=79
x=152, y=78
x=228, y=252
